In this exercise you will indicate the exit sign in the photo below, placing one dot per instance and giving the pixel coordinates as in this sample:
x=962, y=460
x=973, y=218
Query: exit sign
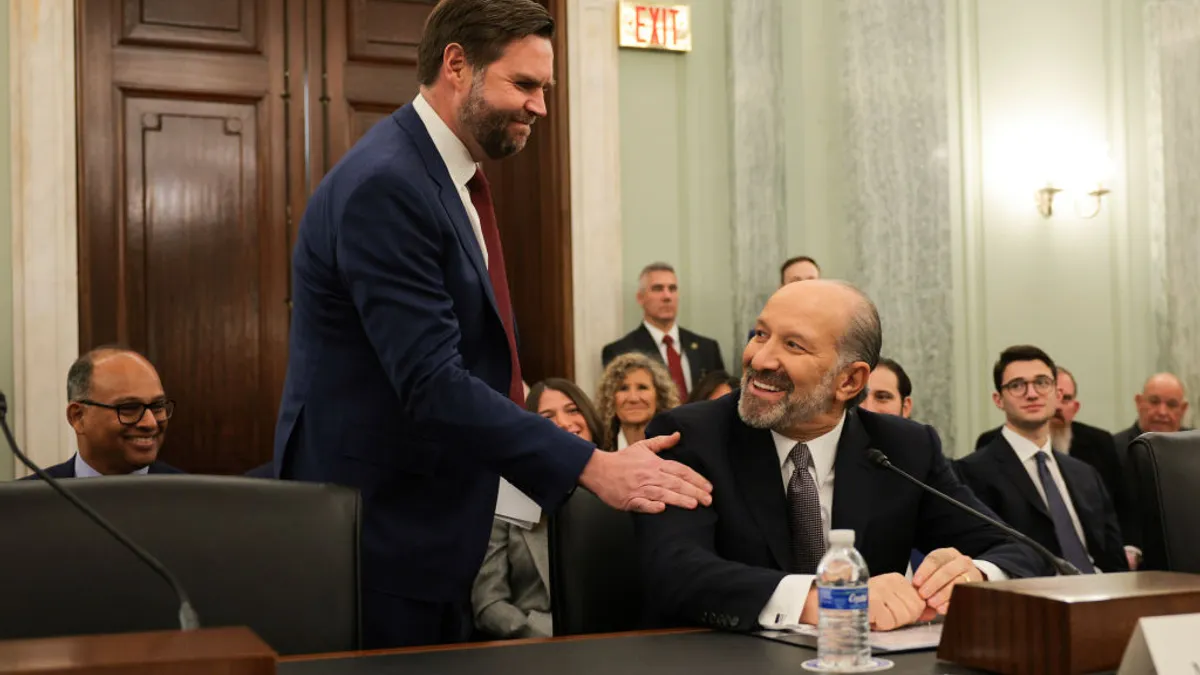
x=646, y=26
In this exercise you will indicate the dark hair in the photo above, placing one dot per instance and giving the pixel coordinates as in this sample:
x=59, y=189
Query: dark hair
x=903, y=384
x=709, y=383
x=792, y=261
x=1020, y=353
x=482, y=27
x=79, y=375
x=863, y=339
x=572, y=391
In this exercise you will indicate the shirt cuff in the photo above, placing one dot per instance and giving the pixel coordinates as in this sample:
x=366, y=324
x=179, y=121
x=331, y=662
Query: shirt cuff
x=990, y=571
x=1134, y=550
x=787, y=602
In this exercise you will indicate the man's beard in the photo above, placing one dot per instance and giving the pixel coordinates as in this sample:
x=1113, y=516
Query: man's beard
x=488, y=125
x=1060, y=437
x=795, y=407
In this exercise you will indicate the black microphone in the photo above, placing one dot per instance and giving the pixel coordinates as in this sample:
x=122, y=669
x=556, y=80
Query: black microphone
x=187, y=616
x=1064, y=567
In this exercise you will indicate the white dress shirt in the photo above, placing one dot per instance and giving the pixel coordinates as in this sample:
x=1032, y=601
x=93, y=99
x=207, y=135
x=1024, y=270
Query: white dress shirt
x=787, y=602
x=662, y=350
x=458, y=162
x=621, y=442
x=85, y=470
x=1027, y=453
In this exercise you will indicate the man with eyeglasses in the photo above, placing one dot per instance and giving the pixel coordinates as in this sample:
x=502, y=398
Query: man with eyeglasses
x=119, y=411
x=1056, y=499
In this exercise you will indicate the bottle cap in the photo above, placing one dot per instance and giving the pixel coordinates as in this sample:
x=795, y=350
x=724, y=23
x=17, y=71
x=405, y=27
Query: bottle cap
x=841, y=537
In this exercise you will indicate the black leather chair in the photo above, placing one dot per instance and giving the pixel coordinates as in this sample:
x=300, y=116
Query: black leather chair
x=595, y=584
x=1167, y=475
x=280, y=557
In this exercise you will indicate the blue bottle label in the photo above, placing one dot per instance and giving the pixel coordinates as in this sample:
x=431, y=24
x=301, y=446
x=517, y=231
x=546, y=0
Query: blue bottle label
x=842, y=598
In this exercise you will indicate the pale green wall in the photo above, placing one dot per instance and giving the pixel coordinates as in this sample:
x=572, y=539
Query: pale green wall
x=675, y=174
x=6, y=268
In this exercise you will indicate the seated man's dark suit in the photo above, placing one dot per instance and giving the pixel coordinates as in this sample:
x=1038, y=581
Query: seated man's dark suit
x=703, y=354
x=67, y=469
x=1096, y=447
x=721, y=565
x=996, y=475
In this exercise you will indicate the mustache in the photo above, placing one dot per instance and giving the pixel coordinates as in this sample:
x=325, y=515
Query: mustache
x=774, y=378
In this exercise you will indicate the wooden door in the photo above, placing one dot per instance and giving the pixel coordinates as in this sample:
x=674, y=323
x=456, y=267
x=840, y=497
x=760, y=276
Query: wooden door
x=183, y=249
x=369, y=57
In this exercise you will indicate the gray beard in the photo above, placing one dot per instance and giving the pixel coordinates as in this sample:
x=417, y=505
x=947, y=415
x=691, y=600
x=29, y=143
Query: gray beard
x=796, y=408
x=1060, y=439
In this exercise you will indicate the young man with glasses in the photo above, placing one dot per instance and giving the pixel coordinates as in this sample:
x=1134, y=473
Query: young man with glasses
x=1059, y=501
x=119, y=411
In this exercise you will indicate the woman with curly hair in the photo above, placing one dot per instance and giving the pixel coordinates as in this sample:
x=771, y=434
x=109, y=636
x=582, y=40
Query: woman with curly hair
x=633, y=389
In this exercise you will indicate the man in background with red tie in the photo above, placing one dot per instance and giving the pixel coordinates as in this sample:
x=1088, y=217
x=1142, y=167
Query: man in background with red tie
x=687, y=356
x=403, y=377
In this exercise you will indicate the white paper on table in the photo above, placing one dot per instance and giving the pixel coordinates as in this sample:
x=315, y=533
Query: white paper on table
x=912, y=638
x=513, y=506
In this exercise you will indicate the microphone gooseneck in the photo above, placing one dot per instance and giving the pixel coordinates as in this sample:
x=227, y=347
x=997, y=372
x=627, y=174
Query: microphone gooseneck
x=1063, y=567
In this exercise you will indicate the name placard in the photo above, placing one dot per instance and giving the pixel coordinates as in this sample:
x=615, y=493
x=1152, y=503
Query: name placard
x=648, y=26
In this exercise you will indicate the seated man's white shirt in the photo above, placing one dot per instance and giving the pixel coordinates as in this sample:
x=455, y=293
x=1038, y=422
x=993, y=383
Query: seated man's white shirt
x=787, y=602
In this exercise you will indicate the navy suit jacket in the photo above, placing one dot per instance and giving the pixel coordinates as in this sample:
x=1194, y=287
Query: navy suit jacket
x=720, y=565
x=67, y=469
x=398, y=369
x=996, y=475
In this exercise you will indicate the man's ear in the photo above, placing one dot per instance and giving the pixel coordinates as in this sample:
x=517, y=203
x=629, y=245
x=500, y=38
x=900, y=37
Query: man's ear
x=906, y=409
x=854, y=380
x=454, y=64
x=75, y=416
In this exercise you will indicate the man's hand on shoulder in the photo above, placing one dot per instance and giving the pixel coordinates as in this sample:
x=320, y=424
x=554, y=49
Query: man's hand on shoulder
x=635, y=478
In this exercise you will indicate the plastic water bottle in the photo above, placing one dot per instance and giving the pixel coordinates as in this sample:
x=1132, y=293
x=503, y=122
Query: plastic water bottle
x=843, y=628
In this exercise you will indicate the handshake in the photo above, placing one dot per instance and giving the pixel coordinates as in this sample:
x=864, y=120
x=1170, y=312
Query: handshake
x=896, y=602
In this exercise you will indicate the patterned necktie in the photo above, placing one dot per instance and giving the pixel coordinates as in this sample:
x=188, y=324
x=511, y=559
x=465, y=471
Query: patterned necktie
x=1064, y=529
x=804, y=509
x=481, y=199
x=675, y=367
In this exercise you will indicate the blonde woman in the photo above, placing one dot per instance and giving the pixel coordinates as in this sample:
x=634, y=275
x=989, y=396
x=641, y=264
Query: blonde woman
x=633, y=389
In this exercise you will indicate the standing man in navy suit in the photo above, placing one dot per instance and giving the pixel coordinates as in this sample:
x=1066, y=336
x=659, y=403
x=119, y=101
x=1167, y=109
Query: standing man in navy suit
x=403, y=368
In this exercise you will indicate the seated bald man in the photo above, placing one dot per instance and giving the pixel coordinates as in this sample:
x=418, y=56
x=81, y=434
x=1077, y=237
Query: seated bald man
x=787, y=457
x=119, y=411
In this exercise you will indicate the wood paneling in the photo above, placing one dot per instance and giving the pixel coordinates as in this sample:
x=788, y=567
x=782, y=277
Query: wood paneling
x=183, y=246
x=203, y=128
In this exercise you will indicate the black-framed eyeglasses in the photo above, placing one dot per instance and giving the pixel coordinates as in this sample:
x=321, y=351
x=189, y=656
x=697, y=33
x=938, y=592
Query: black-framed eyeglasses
x=1018, y=387
x=131, y=413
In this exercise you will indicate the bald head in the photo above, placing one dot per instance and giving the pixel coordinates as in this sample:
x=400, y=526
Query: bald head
x=1162, y=403
x=814, y=346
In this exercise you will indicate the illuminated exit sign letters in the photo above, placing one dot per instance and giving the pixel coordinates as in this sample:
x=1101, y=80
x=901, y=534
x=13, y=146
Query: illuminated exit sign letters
x=646, y=26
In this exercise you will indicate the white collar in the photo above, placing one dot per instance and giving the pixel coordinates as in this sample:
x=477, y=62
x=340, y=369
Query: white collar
x=822, y=449
x=658, y=334
x=450, y=147
x=85, y=470
x=1025, y=448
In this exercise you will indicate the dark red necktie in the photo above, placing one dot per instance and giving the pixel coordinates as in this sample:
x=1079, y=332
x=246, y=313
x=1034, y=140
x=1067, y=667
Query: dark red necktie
x=675, y=366
x=481, y=198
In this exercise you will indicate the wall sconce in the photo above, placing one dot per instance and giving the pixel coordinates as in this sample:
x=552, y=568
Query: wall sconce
x=1087, y=205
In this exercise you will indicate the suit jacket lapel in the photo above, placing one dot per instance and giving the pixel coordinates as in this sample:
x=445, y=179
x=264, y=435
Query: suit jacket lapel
x=853, y=481
x=410, y=121
x=691, y=347
x=1011, y=467
x=1075, y=480
x=756, y=470
x=536, y=540
x=644, y=342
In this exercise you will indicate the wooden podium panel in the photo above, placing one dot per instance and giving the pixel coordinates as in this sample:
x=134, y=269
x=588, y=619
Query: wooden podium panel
x=1054, y=625
x=228, y=651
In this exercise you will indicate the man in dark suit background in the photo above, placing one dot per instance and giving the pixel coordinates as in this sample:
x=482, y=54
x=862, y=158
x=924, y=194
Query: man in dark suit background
x=687, y=355
x=1056, y=499
x=1094, y=446
x=1160, y=407
x=119, y=411
x=787, y=456
x=402, y=367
